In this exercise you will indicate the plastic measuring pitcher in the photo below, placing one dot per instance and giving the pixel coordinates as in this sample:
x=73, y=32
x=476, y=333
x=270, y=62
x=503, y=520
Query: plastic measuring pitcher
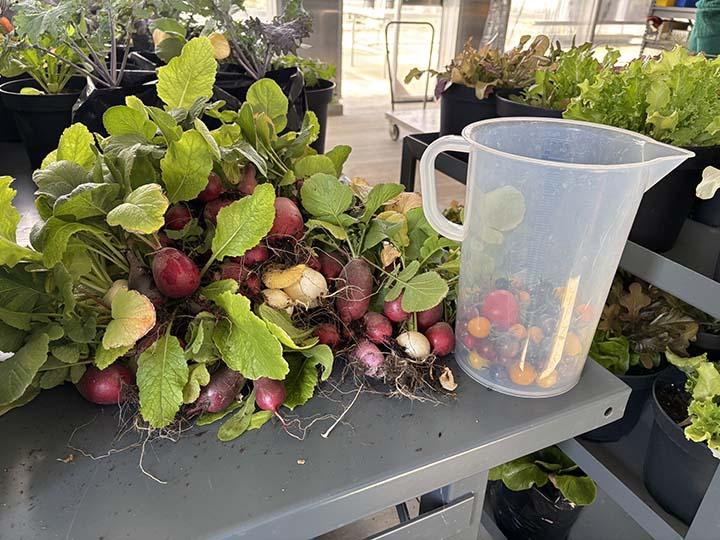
x=548, y=208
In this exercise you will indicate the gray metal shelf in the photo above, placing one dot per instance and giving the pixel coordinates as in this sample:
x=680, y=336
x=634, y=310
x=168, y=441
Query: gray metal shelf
x=256, y=487
x=686, y=270
x=674, y=12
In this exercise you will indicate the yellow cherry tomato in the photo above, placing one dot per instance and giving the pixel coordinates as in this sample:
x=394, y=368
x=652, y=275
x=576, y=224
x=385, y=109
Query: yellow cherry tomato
x=573, y=345
x=522, y=376
x=479, y=327
x=548, y=380
x=477, y=361
x=536, y=334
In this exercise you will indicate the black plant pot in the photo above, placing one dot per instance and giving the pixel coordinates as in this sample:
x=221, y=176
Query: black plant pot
x=318, y=100
x=459, y=107
x=640, y=389
x=93, y=102
x=707, y=211
x=677, y=472
x=532, y=514
x=40, y=119
x=232, y=86
x=507, y=107
x=8, y=131
x=708, y=343
x=667, y=204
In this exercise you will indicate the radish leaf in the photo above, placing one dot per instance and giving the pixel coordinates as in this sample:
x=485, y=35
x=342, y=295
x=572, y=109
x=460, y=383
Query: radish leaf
x=76, y=144
x=189, y=76
x=161, y=376
x=238, y=423
x=198, y=376
x=124, y=120
x=208, y=418
x=300, y=383
x=17, y=372
x=55, y=236
x=133, y=315
x=265, y=96
x=106, y=357
x=186, y=166
x=143, y=211
x=310, y=165
x=87, y=200
x=326, y=198
x=242, y=224
x=10, y=252
x=245, y=343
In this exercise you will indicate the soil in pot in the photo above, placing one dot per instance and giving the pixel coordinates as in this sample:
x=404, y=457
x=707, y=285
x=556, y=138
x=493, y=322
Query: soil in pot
x=40, y=119
x=532, y=514
x=640, y=382
x=318, y=100
x=232, y=86
x=459, y=107
x=677, y=472
x=507, y=107
x=667, y=204
x=93, y=101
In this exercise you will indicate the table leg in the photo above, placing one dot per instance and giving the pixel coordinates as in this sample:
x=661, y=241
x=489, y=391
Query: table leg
x=408, y=165
x=476, y=485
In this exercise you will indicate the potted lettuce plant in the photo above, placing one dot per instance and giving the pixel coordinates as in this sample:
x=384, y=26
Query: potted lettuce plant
x=639, y=322
x=674, y=98
x=539, y=496
x=556, y=84
x=469, y=83
x=319, y=88
x=684, y=444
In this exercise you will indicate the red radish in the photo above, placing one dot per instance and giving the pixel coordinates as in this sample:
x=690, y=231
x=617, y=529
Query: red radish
x=441, y=338
x=105, y=387
x=327, y=334
x=501, y=308
x=249, y=281
x=288, y=220
x=213, y=189
x=254, y=256
x=175, y=274
x=248, y=183
x=252, y=285
x=393, y=310
x=331, y=264
x=425, y=319
x=139, y=280
x=224, y=386
x=269, y=394
x=377, y=327
x=177, y=216
x=212, y=208
x=314, y=263
x=355, y=289
x=370, y=359
x=164, y=239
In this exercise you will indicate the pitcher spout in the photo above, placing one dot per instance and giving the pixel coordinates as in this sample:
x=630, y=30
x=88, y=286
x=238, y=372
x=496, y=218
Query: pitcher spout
x=661, y=159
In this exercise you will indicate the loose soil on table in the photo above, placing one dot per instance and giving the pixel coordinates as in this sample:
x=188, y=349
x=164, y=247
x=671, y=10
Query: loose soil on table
x=674, y=401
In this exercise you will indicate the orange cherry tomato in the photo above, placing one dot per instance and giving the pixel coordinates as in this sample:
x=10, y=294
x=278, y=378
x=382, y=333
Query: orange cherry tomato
x=518, y=331
x=548, y=380
x=523, y=297
x=5, y=25
x=479, y=327
x=522, y=376
x=536, y=334
x=573, y=345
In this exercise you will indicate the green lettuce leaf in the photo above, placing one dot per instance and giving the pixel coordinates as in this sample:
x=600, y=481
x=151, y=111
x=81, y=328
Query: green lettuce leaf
x=579, y=490
x=161, y=377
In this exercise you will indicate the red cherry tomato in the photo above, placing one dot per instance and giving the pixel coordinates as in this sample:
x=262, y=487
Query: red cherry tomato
x=501, y=308
x=485, y=349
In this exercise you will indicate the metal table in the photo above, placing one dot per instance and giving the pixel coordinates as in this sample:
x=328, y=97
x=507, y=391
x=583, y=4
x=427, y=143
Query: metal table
x=267, y=485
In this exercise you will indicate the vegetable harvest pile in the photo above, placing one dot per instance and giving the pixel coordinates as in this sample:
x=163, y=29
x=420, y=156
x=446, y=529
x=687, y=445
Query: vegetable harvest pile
x=199, y=272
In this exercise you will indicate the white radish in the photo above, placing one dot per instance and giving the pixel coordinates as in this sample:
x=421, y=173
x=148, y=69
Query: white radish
x=415, y=344
x=308, y=290
x=275, y=298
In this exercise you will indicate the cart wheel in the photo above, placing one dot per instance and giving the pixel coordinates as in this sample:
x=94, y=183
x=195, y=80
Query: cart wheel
x=394, y=132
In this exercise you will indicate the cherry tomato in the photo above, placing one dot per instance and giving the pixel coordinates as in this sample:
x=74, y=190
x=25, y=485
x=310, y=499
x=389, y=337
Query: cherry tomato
x=548, y=380
x=479, y=327
x=509, y=348
x=573, y=345
x=522, y=376
x=536, y=334
x=485, y=349
x=584, y=312
x=477, y=361
x=501, y=308
x=518, y=331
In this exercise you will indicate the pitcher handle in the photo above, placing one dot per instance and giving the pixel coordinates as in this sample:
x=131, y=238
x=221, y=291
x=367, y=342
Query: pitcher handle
x=429, y=187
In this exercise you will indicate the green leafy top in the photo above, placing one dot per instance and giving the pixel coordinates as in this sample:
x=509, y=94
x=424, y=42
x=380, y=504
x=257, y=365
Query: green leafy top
x=548, y=465
x=638, y=323
x=313, y=70
x=703, y=385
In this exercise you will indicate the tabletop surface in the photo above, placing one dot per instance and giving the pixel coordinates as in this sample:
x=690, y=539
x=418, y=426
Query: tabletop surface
x=223, y=490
